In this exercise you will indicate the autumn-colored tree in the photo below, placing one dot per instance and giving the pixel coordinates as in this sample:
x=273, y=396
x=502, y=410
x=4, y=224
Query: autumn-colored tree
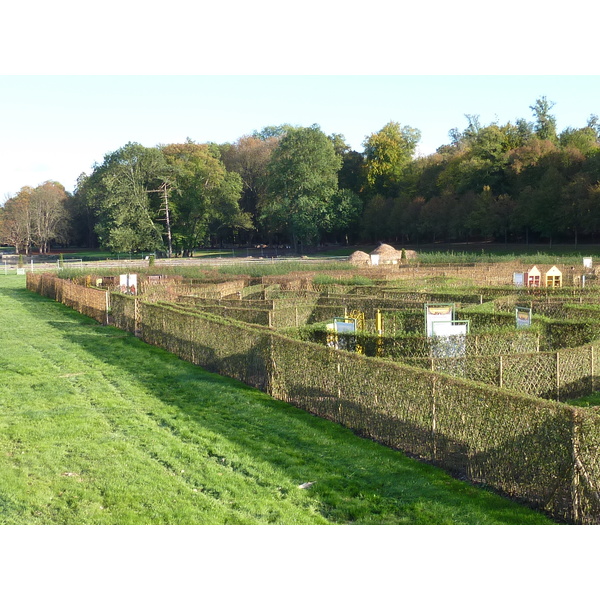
x=249, y=158
x=15, y=221
x=48, y=214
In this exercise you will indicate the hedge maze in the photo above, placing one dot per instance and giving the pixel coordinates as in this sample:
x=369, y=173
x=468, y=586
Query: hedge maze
x=487, y=406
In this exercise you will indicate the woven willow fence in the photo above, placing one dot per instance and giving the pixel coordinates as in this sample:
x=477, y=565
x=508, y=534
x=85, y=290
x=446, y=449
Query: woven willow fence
x=88, y=301
x=568, y=373
x=420, y=346
x=542, y=452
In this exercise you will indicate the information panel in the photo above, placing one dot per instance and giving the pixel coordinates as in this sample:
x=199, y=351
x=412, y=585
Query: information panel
x=523, y=317
x=128, y=283
x=437, y=313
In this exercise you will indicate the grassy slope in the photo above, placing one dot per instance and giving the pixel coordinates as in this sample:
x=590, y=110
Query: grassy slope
x=98, y=428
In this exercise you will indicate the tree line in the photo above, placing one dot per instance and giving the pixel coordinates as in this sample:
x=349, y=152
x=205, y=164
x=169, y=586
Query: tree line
x=298, y=186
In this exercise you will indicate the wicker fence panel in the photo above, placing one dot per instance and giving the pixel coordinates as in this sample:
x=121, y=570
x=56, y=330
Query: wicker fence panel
x=569, y=373
x=484, y=369
x=574, y=372
x=124, y=312
x=90, y=301
x=258, y=316
x=520, y=446
x=343, y=387
x=230, y=350
x=533, y=374
x=586, y=456
x=33, y=282
x=231, y=302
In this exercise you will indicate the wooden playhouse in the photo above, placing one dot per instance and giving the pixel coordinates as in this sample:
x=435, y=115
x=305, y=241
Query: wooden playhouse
x=551, y=278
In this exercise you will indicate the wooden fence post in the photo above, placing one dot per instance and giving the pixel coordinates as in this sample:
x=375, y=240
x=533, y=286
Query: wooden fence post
x=433, y=420
x=575, y=500
x=592, y=365
x=557, y=376
x=136, y=317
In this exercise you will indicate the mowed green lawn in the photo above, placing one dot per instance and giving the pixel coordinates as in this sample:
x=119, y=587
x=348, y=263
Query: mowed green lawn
x=97, y=427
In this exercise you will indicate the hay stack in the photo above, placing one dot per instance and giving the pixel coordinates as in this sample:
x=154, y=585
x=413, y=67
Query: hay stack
x=389, y=255
x=383, y=249
x=359, y=258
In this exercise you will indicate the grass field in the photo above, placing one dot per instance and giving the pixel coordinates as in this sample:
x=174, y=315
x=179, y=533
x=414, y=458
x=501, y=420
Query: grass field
x=98, y=428
x=428, y=253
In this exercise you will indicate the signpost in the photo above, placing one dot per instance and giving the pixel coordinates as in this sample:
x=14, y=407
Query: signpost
x=340, y=325
x=523, y=317
x=437, y=313
x=128, y=283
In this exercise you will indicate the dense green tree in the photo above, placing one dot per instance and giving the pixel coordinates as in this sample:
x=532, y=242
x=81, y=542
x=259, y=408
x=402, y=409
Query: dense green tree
x=545, y=123
x=387, y=153
x=376, y=222
x=205, y=196
x=578, y=207
x=273, y=131
x=585, y=139
x=303, y=177
x=127, y=209
x=350, y=176
x=436, y=215
x=411, y=224
x=83, y=214
x=344, y=214
x=546, y=214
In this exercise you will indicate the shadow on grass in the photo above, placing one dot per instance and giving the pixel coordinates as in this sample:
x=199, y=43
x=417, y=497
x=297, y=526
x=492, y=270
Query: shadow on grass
x=356, y=480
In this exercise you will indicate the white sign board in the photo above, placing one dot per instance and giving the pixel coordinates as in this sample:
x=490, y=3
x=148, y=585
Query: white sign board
x=443, y=313
x=519, y=279
x=523, y=316
x=128, y=283
x=342, y=327
x=587, y=262
x=441, y=329
x=374, y=259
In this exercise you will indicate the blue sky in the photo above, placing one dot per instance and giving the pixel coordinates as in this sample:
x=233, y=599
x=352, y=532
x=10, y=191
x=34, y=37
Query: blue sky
x=77, y=82
x=58, y=126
